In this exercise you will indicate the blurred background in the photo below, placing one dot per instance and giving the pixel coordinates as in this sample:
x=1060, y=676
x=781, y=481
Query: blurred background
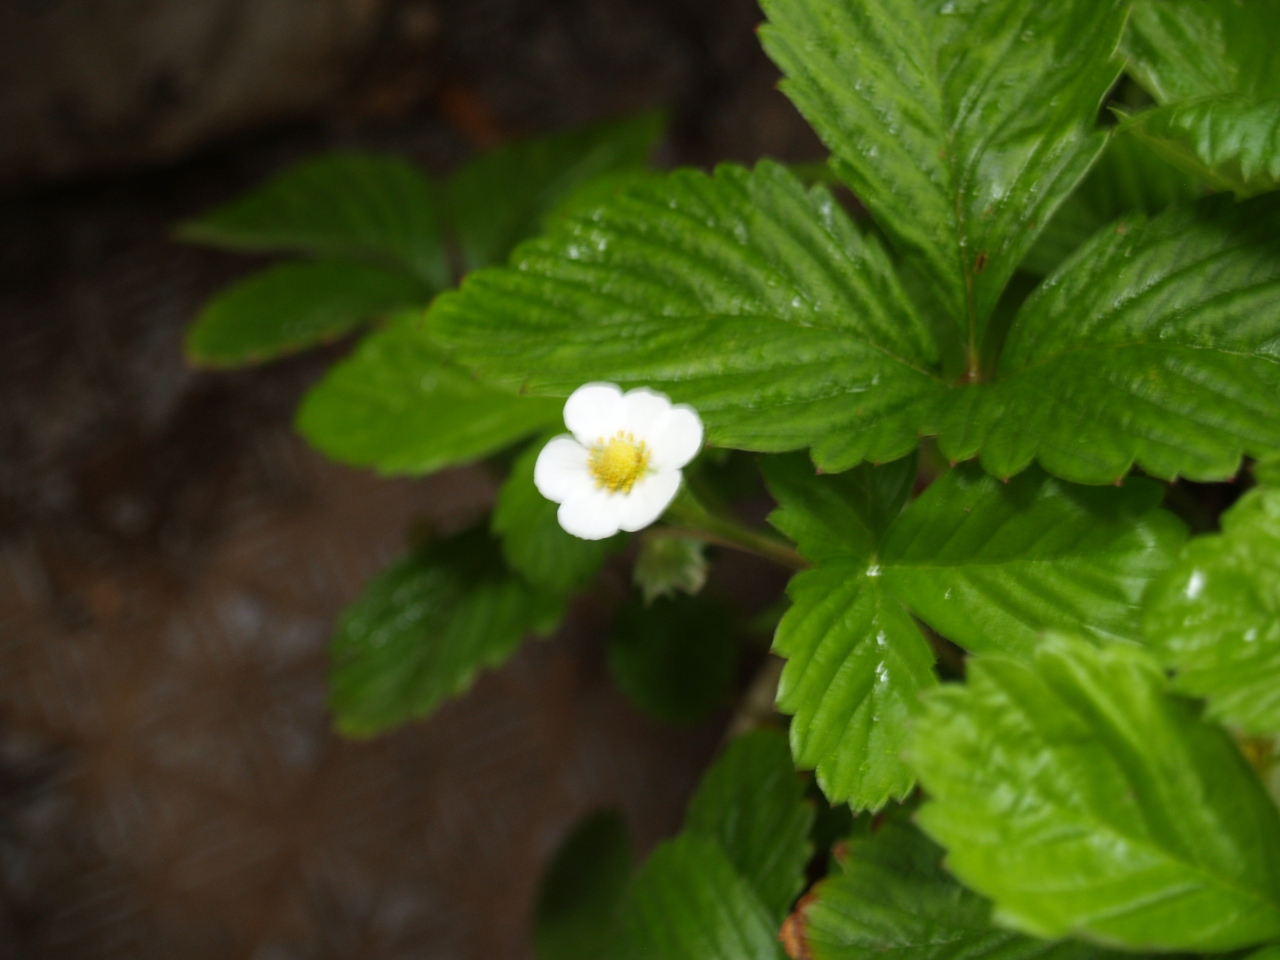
x=172, y=556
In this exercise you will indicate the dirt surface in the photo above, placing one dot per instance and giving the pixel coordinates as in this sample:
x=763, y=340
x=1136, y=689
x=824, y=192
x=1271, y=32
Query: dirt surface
x=172, y=556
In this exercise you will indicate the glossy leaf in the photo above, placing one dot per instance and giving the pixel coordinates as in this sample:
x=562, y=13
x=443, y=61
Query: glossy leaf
x=674, y=659
x=396, y=405
x=689, y=903
x=752, y=803
x=893, y=898
x=505, y=195
x=293, y=306
x=581, y=891
x=1215, y=617
x=938, y=119
x=1083, y=799
x=745, y=294
x=341, y=205
x=423, y=629
x=1231, y=143
x=533, y=542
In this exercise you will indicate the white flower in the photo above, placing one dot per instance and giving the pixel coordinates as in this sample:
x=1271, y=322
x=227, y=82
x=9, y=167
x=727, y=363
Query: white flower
x=621, y=468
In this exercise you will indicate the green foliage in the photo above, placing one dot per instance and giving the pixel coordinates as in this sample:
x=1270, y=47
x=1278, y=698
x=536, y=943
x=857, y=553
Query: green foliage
x=581, y=890
x=988, y=565
x=1215, y=617
x=674, y=658
x=1083, y=799
x=293, y=306
x=398, y=406
x=423, y=629
x=670, y=565
x=533, y=543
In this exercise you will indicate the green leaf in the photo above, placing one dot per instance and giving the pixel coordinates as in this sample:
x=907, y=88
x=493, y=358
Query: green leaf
x=341, y=205
x=423, y=630
x=1215, y=617
x=533, y=542
x=670, y=565
x=294, y=306
x=1084, y=800
x=1231, y=143
x=1154, y=344
x=894, y=899
x=674, y=659
x=689, y=903
x=505, y=195
x=745, y=294
x=396, y=405
x=987, y=564
x=753, y=804
x=938, y=119
x=1182, y=49
x=581, y=891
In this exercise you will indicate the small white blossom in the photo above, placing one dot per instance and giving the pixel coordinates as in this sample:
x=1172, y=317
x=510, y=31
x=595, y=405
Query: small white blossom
x=621, y=468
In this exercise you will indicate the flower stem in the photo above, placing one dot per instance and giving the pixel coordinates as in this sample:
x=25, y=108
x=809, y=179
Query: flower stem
x=690, y=518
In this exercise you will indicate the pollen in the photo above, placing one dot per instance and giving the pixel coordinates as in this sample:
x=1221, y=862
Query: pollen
x=617, y=463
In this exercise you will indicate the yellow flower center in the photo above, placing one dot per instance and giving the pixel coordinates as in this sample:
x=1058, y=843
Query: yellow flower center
x=619, y=462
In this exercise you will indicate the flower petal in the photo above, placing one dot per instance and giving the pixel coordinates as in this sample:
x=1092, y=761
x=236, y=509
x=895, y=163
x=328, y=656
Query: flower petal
x=677, y=439
x=592, y=515
x=562, y=470
x=594, y=411
x=643, y=413
x=648, y=499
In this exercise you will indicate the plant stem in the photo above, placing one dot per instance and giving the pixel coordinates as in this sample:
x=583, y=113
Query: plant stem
x=690, y=518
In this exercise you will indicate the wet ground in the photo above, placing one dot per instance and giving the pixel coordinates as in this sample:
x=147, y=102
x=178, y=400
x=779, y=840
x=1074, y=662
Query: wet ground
x=172, y=556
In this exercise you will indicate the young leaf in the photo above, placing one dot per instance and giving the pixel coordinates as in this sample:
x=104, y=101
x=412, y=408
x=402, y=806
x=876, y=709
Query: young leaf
x=397, y=406
x=534, y=178
x=894, y=899
x=581, y=890
x=342, y=205
x=1084, y=800
x=1154, y=344
x=293, y=306
x=1215, y=617
x=938, y=119
x=752, y=803
x=744, y=294
x=689, y=903
x=674, y=659
x=670, y=565
x=533, y=542
x=1230, y=142
x=424, y=628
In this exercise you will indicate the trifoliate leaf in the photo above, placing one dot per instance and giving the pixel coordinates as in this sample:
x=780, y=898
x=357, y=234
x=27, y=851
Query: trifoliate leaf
x=675, y=659
x=396, y=405
x=893, y=898
x=1229, y=142
x=1215, y=617
x=581, y=889
x=938, y=119
x=533, y=542
x=1154, y=344
x=505, y=195
x=670, y=565
x=342, y=205
x=424, y=629
x=745, y=294
x=1084, y=800
x=296, y=305
x=752, y=803
x=689, y=903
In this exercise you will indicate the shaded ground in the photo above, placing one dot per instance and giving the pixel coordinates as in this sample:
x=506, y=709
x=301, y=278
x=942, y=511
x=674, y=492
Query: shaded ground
x=171, y=556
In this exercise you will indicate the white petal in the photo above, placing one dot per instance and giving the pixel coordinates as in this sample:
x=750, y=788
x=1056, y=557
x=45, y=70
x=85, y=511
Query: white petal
x=562, y=470
x=592, y=515
x=643, y=411
x=594, y=411
x=677, y=439
x=648, y=499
